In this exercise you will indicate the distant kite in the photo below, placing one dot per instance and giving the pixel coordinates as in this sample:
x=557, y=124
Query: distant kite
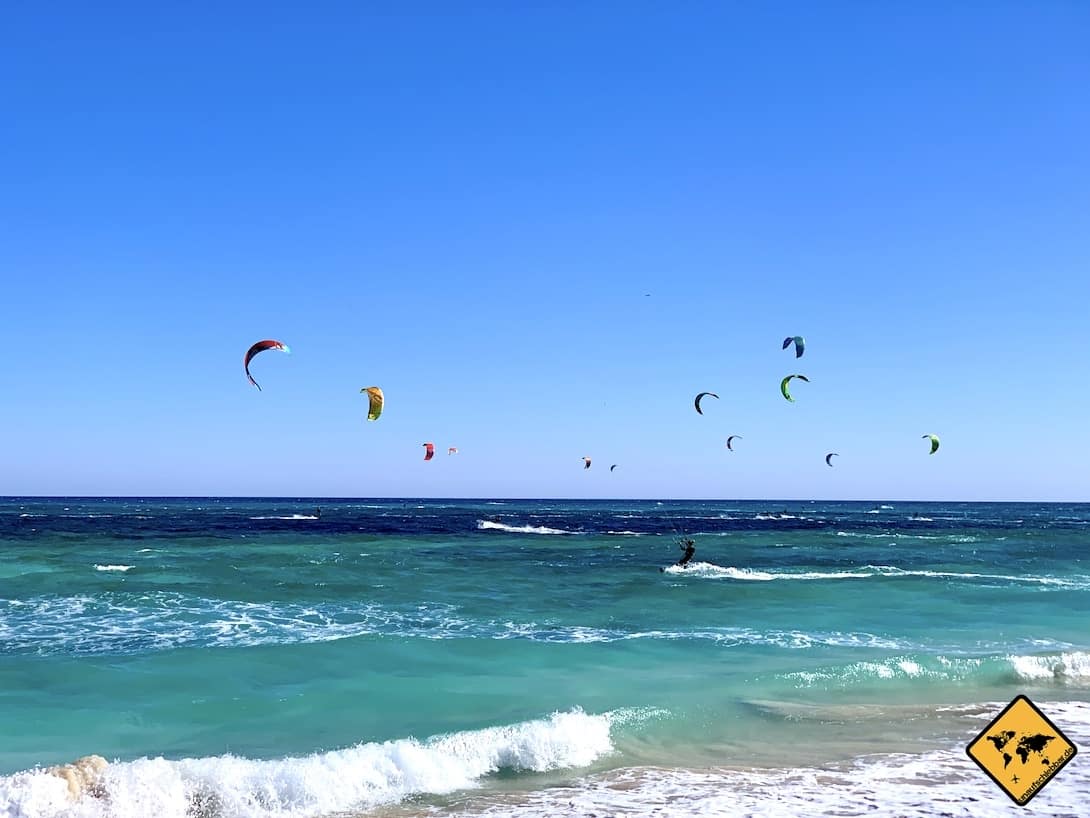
x=586, y=462
x=452, y=450
x=729, y=439
x=934, y=442
x=783, y=385
x=260, y=346
x=829, y=458
x=799, y=341
x=376, y=401
x=615, y=465
x=696, y=402
x=429, y=450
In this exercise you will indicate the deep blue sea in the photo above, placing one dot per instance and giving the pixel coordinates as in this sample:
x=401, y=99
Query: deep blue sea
x=316, y=657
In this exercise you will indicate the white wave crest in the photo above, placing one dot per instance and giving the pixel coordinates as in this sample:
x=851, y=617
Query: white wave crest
x=486, y=525
x=892, y=535
x=359, y=777
x=287, y=517
x=112, y=567
x=1070, y=669
x=1067, y=668
x=899, y=667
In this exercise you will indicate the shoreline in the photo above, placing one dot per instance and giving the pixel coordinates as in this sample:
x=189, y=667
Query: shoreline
x=593, y=777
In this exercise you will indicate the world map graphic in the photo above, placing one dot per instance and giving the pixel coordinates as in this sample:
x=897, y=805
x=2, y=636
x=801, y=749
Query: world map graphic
x=1027, y=745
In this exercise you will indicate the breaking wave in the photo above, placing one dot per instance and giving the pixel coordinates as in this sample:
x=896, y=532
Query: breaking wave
x=1067, y=669
x=487, y=525
x=359, y=777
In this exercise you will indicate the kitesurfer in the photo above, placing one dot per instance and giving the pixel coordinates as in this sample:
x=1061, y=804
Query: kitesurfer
x=689, y=547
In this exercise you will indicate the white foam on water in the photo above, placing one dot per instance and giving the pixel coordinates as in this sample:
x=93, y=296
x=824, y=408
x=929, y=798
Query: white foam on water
x=112, y=567
x=727, y=636
x=128, y=622
x=288, y=517
x=887, y=669
x=1069, y=582
x=895, y=535
x=486, y=525
x=359, y=777
x=1067, y=668
x=120, y=622
x=889, y=785
x=709, y=570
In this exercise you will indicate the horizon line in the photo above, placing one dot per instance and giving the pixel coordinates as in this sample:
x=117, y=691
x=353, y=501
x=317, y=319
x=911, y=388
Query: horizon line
x=334, y=498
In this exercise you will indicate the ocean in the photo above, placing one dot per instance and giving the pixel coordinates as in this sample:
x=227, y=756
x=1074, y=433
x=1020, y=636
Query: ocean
x=245, y=658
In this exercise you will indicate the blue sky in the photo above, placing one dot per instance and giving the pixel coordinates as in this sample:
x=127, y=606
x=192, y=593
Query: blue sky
x=466, y=203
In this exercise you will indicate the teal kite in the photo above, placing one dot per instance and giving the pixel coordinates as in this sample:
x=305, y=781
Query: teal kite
x=799, y=341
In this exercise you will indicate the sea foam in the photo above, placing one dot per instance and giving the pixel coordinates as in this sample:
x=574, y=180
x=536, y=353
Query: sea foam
x=887, y=785
x=485, y=525
x=1068, y=669
x=363, y=776
x=708, y=570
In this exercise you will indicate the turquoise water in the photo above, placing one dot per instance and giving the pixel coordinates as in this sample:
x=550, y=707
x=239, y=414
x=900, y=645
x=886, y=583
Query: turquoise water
x=429, y=649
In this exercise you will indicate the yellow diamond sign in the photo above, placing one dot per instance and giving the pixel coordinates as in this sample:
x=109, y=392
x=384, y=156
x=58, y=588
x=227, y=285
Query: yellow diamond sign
x=1021, y=750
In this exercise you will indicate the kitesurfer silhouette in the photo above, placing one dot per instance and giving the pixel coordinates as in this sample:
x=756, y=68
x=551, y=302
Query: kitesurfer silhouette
x=690, y=548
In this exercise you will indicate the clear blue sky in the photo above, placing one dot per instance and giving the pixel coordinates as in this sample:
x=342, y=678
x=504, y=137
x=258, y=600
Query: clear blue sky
x=465, y=203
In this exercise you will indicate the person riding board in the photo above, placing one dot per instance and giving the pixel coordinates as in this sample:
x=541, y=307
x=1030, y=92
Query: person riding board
x=689, y=547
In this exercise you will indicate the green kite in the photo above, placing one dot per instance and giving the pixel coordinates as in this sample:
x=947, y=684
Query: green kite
x=783, y=385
